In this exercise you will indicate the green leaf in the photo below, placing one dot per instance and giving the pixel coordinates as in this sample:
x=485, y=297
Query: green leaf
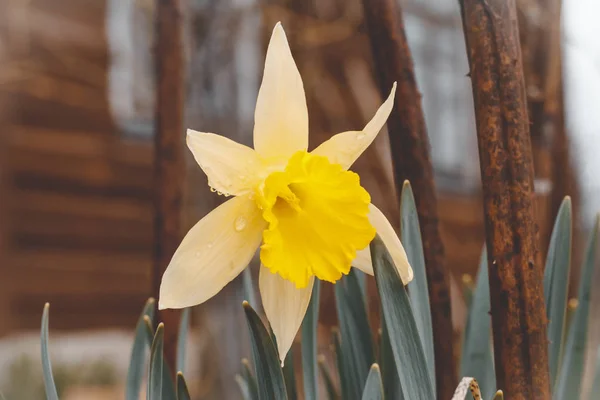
x=342, y=366
x=248, y=284
x=356, y=337
x=244, y=388
x=269, y=376
x=332, y=393
x=51, y=393
x=417, y=288
x=168, y=386
x=389, y=374
x=137, y=362
x=249, y=379
x=595, y=392
x=571, y=370
x=155, y=376
x=362, y=282
x=400, y=321
x=309, y=345
x=184, y=325
x=556, y=283
x=467, y=289
x=289, y=376
x=477, y=359
x=374, y=386
x=182, y=390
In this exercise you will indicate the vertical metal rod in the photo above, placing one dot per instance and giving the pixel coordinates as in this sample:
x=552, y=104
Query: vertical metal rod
x=516, y=291
x=169, y=164
x=410, y=155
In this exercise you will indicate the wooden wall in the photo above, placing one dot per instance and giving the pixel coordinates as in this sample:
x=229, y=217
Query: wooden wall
x=77, y=195
x=76, y=207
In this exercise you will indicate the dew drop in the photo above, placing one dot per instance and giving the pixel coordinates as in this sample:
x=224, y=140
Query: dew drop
x=212, y=189
x=360, y=136
x=239, y=224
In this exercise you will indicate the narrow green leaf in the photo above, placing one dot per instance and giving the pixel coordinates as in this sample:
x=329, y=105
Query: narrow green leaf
x=571, y=307
x=356, y=337
x=389, y=375
x=168, y=386
x=467, y=289
x=182, y=390
x=332, y=393
x=595, y=392
x=148, y=329
x=269, y=376
x=244, y=389
x=184, y=326
x=342, y=366
x=374, y=386
x=137, y=362
x=289, y=376
x=249, y=290
x=571, y=370
x=362, y=282
x=51, y=393
x=250, y=379
x=155, y=376
x=556, y=283
x=309, y=345
x=406, y=345
x=417, y=288
x=477, y=359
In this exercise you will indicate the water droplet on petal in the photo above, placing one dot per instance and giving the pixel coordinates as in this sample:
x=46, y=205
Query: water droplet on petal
x=212, y=189
x=360, y=136
x=209, y=245
x=240, y=224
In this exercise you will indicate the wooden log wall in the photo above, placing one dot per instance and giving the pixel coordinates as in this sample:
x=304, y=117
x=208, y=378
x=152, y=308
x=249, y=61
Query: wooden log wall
x=77, y=194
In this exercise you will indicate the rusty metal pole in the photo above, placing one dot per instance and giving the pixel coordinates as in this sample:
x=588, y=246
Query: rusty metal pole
x=517, y=301
x=410, y=154
x=169, y=164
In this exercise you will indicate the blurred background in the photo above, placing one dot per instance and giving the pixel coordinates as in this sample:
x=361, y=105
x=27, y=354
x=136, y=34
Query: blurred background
x=76, y=157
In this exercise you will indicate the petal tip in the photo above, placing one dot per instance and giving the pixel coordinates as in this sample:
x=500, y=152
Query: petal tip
x=393, y=90
x=278, y=29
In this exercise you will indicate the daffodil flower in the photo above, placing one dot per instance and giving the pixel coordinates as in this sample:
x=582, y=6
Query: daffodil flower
x=308, y=214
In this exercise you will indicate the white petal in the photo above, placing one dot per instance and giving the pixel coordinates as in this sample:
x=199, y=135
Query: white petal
x=285, y=306
x=212, y=254
x=345, y=148
x=281, y=116
x=231, y=168
x=392, y=243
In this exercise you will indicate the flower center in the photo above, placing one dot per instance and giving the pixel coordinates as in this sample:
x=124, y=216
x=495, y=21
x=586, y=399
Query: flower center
x=317, y=219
